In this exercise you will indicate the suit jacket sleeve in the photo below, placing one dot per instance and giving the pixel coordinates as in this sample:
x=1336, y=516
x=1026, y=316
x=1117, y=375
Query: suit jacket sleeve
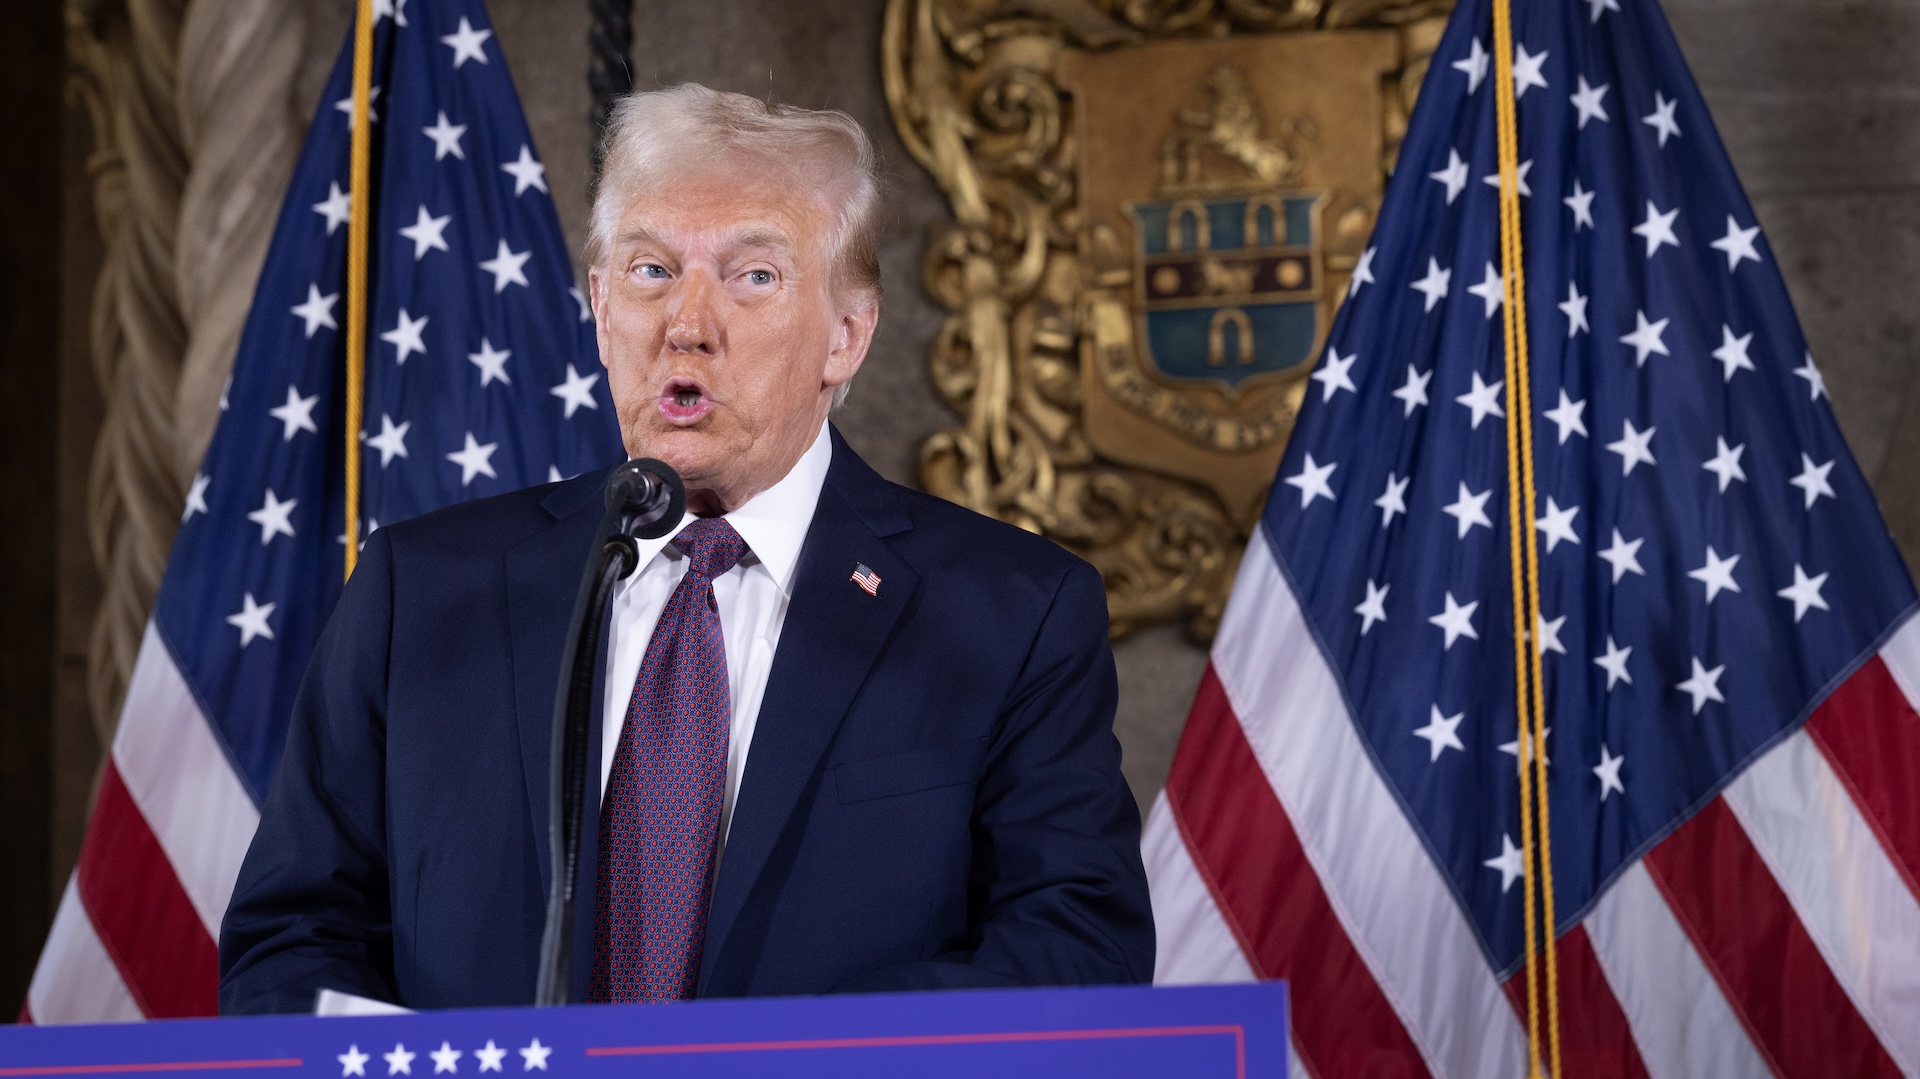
x=1058, y=890
x=310, y=909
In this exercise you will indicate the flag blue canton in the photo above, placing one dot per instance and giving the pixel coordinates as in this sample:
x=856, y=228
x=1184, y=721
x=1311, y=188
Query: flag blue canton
x=1712, y=561
x=482, y=372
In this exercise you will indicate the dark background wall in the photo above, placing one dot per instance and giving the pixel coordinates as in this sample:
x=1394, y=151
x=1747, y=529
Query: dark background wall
x=1818, y=101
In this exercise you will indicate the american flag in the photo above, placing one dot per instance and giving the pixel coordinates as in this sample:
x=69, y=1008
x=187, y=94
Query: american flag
x=482, y=376
x=1731, y=670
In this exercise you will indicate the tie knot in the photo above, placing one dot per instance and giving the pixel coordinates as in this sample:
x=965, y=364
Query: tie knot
x=712, y=545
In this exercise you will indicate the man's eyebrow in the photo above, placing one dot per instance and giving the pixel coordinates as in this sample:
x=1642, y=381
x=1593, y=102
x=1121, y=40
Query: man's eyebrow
x=762, y=237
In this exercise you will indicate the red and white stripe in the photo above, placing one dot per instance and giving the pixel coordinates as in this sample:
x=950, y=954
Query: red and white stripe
x=136, y=931
x=1777, y=932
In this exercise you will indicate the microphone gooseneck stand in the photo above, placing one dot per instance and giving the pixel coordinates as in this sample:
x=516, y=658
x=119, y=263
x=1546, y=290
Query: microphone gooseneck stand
x=644, y=499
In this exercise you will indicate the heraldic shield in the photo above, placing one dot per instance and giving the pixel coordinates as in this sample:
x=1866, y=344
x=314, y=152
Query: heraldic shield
x=1228, y=287
x=1157, y=210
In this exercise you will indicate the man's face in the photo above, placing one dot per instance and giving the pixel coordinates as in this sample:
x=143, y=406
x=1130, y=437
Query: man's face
x=720, y=329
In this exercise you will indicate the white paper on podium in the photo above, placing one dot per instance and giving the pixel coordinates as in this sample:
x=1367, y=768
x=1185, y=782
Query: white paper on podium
x=334, y=1002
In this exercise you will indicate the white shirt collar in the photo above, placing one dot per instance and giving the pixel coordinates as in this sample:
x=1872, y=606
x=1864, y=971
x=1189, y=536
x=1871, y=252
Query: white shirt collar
x=774, y=522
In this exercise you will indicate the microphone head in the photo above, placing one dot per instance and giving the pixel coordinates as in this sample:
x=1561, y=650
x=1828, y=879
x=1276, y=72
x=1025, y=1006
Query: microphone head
x=648, y=495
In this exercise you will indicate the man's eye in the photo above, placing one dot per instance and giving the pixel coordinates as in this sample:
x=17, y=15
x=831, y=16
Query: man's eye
x=759, y=277
x=653, y=270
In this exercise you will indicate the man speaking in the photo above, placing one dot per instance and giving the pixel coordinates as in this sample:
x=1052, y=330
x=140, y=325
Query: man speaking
x=853, y=737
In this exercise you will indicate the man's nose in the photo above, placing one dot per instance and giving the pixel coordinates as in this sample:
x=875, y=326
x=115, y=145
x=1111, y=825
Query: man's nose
x=695, y=325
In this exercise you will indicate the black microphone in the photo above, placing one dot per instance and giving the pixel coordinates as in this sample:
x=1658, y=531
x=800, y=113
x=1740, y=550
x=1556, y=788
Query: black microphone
x=645, y=499
x=648, y=497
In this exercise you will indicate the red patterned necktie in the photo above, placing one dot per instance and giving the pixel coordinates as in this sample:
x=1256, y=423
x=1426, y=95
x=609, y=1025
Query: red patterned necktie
x=661, y=812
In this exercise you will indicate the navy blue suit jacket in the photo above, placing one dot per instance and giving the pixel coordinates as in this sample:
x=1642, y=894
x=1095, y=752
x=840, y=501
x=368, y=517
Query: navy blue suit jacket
x=933, y=798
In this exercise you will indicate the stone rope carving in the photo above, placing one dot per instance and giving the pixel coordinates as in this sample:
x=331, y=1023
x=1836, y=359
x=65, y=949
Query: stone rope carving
x=194, y=138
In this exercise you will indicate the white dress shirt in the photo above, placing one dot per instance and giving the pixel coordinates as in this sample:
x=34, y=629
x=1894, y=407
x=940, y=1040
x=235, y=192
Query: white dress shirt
x=752, y=597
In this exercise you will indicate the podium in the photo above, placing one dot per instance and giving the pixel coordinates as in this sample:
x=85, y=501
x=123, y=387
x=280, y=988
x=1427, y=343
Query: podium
x=1202, y=1032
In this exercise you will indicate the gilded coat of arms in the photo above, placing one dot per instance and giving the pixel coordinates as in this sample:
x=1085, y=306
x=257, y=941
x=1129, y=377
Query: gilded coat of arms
x=1158, y=206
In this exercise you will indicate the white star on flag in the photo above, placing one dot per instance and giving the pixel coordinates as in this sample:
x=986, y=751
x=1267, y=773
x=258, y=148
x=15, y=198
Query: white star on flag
x=1599, y=6
x=1575, y=308
x=467, y=43
x=353, y=1061
x=492, y=362
x=1441, y=733
x=1434, y=285
x=1646, y=338
x=317, y=311
x=337, y=207
x=345, y=105
x=1732, y=353
x=1509, y=862
x=1474, y=67
x=1567, y=416
x=1661, y=118
x=1483, y=400
x=1393, y=500
x=405, y=336
x=1457, y=621
x=586, y=309
x=576, y=391
x=446, y=137
x=400, y=1061
x=390, y=9
x=1623, y=556
x=1587, y=101
x=1804, y=592
x=474, y=459
x=1614, y=662
x=196, y=497
x=489, y=1056
x=1726, y=463
x=1519, y=176
x=427, y=232
x=526, y=172
x=1373, y=608
x=1312, y=481
x=1581, y=203
x=1703, y=686
x=1469, y=509
x=1816, y=385
x=445, y=1059
x=1332, y=375
x=1812, y=480
x=1414, y=391
x=273, y=517
x=1634, y=447
x=505, y=267
x=1717, y=574
x=391, y=441
x=1454, y=176
x=1546, y=632
x=1609, y=772
x=1512, y=749
x=296, y=415
x=535, y=1056
x=1490, y=290
x=252, y=621
x=1658, y=228
x=1526, y=70
x=1362, y=273
x=1557, y=524
x=1737, y=243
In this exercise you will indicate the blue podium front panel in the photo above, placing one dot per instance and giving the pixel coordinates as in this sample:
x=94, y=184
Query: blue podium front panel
x=1207, y=1032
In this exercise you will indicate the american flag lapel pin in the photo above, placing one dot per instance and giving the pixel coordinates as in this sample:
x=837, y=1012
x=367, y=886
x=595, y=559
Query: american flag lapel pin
x=866, y=578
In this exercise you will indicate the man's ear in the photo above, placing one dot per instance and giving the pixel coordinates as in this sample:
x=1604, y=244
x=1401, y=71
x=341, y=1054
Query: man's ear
x=852, y=336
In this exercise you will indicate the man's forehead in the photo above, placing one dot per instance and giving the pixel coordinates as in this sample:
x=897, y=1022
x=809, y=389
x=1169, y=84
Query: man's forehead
x=723, y=212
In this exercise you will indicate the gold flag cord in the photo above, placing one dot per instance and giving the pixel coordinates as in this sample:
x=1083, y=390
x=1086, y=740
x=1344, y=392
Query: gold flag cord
x=1529, y=697
x=360, y=182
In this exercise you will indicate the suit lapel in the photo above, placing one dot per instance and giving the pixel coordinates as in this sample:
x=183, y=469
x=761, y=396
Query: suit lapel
x=833, y=632
x=542, y=575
